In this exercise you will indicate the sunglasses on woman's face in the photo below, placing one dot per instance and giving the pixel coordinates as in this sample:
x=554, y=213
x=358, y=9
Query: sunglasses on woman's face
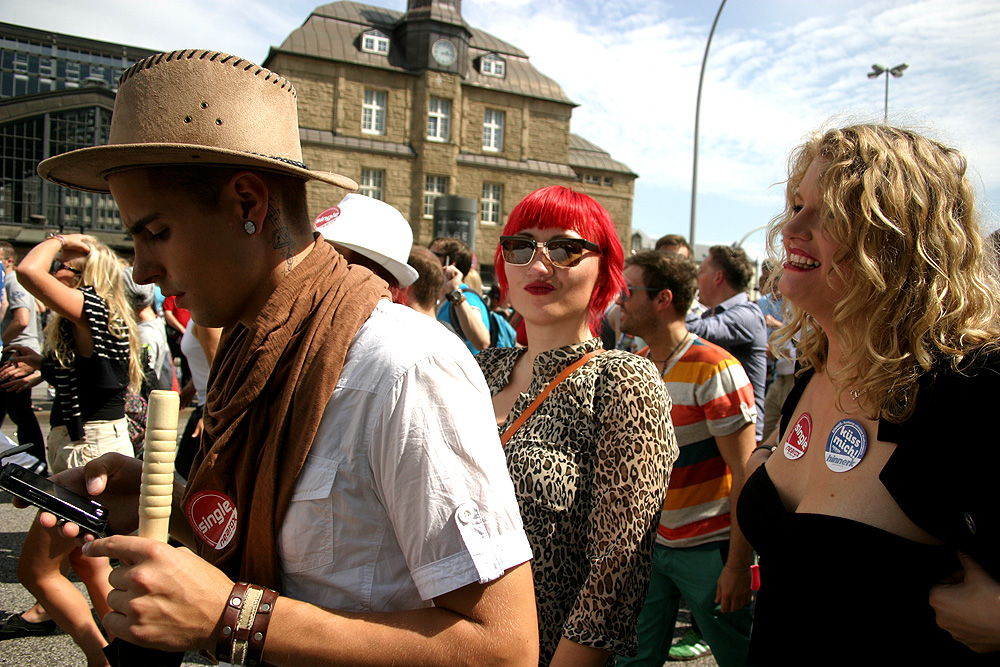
x=520, y=250
x=57, y=265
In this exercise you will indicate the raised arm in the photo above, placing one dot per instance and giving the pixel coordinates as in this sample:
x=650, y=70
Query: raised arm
x=33, y=274
x=469, y=312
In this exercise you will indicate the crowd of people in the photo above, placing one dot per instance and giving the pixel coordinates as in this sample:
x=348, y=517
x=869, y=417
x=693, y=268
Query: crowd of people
x=386, y=466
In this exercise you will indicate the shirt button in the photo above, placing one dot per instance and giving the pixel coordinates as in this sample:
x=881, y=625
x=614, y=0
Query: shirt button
x=465, y=515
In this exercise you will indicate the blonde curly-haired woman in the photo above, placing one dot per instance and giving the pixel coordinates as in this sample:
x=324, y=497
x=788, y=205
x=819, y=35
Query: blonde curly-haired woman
x=885, y=468
x=91, y=358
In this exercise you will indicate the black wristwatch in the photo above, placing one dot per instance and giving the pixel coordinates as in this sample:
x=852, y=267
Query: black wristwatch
x=455, y=296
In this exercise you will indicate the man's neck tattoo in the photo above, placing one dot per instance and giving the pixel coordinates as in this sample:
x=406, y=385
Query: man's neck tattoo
x=281, y=237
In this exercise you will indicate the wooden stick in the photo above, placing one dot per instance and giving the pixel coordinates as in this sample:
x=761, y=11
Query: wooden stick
x=157, y=490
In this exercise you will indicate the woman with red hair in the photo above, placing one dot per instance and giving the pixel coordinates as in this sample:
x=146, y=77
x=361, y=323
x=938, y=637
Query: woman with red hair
x=587, y=433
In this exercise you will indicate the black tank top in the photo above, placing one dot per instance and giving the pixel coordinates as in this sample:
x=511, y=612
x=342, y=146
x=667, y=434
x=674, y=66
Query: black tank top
x=836, y=591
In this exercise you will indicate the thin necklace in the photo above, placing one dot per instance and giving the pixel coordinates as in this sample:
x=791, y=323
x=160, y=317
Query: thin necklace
x=672, y=353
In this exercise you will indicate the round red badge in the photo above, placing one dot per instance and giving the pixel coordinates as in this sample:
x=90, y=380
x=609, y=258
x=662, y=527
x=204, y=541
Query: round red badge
x=325, y=218
x=212, y=515
x=797, y=441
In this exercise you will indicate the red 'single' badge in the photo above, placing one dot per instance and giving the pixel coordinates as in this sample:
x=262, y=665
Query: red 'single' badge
x=797, y=441
x=326, y=217
x=212, y=515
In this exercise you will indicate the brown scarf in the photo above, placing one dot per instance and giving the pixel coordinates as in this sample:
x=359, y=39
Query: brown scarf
x=270, y=386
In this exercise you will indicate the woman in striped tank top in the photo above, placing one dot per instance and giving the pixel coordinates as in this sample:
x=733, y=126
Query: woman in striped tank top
x=91, y=358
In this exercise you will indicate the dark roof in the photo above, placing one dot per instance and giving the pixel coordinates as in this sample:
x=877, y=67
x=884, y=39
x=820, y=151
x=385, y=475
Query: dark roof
x=17, y=108
x=331, y=32
x=73, y=42
x=583, y=153
x=533, y=166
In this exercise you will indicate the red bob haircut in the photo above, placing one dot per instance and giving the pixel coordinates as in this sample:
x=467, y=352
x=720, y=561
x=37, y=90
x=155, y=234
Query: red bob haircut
x=559, y=207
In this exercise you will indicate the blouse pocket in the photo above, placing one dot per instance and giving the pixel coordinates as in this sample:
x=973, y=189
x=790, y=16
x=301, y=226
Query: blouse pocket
x=544, y=476
x=306, y=537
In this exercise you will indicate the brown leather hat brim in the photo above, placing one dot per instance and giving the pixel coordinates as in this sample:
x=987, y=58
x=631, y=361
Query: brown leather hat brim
x=87, y=168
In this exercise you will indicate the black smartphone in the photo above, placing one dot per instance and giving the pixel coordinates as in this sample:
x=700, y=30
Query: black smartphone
x=49, y=496
x=7, y=355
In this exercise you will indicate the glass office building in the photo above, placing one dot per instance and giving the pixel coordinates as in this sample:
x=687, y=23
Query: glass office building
x=56, y=94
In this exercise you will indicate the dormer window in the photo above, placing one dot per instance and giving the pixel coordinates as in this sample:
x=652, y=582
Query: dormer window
x=375, y=41
x=493, y=65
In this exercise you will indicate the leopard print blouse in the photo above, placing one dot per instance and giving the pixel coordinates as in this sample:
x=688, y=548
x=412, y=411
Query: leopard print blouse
x=590, y=470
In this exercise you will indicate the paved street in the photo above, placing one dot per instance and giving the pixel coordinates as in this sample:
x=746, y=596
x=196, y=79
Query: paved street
x=59, y=650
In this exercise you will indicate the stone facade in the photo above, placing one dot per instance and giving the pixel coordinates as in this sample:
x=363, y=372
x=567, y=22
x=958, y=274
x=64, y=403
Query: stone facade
x=538, y=148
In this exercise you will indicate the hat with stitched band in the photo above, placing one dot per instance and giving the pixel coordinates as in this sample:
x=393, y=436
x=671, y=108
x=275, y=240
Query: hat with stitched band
x=194, y=107
x=371, y=228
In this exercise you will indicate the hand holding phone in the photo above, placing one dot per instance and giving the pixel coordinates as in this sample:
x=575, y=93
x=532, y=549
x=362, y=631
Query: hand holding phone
x=45, y=494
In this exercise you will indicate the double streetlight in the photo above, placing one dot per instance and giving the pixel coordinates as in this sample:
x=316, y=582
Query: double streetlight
x=877, y=71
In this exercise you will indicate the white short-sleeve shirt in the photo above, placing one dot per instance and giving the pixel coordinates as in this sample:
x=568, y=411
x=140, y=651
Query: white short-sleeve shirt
x=405, y=493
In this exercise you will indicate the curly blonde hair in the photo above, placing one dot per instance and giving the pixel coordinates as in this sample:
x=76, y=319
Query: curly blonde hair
x=102, y=271
x=919, y=285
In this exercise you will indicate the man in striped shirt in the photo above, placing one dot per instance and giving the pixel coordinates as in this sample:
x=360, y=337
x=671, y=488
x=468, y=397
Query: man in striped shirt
x=700, y=552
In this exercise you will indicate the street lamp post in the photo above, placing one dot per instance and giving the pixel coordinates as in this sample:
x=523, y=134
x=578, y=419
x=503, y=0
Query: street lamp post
x=897, y=72
x=697, y=120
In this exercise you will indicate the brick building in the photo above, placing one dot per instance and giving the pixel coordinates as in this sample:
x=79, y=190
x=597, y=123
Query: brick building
x=418, y=104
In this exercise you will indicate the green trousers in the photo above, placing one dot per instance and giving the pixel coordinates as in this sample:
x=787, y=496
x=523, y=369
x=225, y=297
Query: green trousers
x=692, y=573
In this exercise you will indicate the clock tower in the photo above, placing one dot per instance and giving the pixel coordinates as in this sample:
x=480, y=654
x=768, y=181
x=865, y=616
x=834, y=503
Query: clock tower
x=434, y=36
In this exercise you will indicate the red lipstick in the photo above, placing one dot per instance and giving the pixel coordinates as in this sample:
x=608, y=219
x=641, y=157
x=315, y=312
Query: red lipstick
x=538, y=288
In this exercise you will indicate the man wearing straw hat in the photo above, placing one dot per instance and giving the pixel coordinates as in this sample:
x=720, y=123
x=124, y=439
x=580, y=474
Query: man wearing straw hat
x=350, y=457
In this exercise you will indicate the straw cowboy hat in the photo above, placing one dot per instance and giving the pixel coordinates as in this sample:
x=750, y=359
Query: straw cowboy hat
x=194, y=107
x=371, y=228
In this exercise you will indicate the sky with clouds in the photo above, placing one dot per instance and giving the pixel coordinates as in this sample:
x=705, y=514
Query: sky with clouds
x=777, y=70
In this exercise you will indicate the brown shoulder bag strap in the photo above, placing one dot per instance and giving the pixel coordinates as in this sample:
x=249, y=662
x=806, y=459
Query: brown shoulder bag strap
x=512, y=429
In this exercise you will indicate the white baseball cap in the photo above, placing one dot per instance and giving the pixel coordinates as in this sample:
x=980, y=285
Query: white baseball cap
x=371, y=228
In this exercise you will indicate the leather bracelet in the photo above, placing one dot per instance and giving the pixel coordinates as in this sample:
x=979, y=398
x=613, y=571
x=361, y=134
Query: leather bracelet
x=230, y=616
x=244, y=625
x=769, y=448
x=57, y=237
x=258, y=630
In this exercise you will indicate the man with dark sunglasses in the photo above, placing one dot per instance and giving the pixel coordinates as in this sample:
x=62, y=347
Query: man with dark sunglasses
x=699, y=552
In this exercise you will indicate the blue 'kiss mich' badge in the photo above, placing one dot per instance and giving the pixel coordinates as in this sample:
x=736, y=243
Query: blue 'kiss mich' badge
x=846, y=445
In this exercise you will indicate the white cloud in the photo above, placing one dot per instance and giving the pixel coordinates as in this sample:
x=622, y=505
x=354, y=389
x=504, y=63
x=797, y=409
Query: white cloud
x=635, y=75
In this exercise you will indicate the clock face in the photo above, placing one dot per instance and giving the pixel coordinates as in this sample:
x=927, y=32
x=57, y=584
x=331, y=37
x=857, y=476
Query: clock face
x=443, y=52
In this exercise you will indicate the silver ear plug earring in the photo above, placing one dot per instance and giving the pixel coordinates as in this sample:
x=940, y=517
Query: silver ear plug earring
x=249, y=227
